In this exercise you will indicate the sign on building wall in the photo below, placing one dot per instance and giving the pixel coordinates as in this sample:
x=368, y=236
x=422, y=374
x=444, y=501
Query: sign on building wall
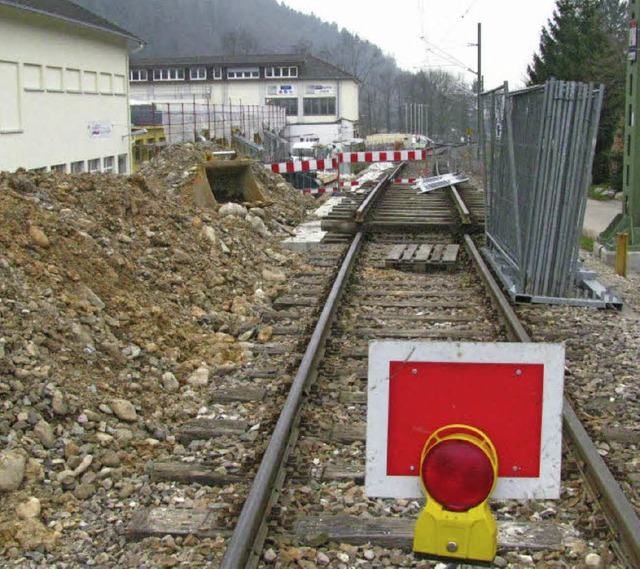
x=320, y=89
x=100, y=129
x=280, y=90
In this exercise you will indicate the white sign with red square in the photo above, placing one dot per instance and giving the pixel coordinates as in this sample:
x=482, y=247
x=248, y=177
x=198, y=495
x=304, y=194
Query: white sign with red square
x=513, y=392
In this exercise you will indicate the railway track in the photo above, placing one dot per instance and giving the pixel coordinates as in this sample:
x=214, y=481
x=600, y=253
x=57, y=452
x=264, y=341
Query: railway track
x=273, y=468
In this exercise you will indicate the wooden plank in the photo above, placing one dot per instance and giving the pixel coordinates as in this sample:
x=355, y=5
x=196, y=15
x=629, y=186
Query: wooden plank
x=420, y=261
x=295, y=330
x=263, y=373
x=175, y=521
x=396, y=252
x=436, y=255
x=393, y=257
x=383, y=286
x=407, y=256
x=423, y=252
x=204, y=429
x=348, y=434
x=325, y=264
x=398, y=532
x=450, y=254
x=272, y=349
x=354, y=397
x=191, y=473
x=621, y=435
x=411, y=293
x=417, y=333
x=295, y=301
x=345, y=471
x=421, y=318
x=361, y=372
x=355, y=353
x=410, y=304
x=238, y=394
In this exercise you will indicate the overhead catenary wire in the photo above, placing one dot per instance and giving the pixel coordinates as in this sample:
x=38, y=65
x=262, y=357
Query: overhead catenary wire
x=438, y=51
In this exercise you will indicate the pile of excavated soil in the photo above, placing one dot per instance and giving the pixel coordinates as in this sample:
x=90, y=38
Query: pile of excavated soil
x=113, y=292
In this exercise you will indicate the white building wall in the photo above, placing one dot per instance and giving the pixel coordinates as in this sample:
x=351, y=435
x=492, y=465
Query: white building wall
x=348, y=100
x=63, y=94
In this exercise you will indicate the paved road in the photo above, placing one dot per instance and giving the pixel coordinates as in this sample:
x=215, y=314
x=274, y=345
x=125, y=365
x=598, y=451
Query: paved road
x=599, y=215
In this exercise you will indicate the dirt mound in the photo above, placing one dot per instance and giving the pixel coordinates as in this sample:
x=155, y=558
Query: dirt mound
x=113, y=291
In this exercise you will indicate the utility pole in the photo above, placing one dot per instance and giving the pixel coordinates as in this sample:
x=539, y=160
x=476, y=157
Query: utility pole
x=479, y=86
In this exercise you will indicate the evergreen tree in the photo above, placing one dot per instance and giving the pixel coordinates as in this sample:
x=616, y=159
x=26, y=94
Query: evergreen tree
x=584, y=41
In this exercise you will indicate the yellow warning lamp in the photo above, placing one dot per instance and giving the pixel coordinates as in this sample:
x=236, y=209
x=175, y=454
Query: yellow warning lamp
x=459, y=470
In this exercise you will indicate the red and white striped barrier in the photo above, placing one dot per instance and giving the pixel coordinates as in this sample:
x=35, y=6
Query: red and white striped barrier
x=347, y=158
x=405, y=180
x=302, y=166
x=352, y=184
x=382, y=156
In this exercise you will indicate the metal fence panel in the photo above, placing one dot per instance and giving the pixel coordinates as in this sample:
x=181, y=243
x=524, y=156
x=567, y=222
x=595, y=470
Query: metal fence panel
x=538, y=150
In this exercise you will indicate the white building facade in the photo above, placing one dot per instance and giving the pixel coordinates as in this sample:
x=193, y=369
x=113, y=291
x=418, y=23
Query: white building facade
x=64, y=89
x=321, y=100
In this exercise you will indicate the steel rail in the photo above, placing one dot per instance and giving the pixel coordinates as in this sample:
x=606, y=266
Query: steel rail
x=620, y=514
x=462, y=208
x=374, y=194
x=256, y=509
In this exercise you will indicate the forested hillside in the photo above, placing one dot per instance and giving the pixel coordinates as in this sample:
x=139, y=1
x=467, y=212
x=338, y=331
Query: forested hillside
x=189, y=27
x=175, y=28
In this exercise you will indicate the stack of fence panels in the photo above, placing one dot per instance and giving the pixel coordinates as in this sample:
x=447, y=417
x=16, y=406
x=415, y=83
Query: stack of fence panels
x=539, y=146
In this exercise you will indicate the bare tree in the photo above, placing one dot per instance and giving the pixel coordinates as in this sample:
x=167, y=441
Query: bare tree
x=238, y=42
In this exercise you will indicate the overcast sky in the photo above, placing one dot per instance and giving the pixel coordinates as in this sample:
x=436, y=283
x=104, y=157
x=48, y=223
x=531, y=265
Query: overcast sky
x=510, y=32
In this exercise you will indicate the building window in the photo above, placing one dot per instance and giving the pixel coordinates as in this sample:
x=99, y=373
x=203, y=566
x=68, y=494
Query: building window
x=41, y=170
x=322, y=106
x=243, y=73
x=198, y=73
x=217, y=73
x=59, y=168
x=138, y=75
x=122, y=163
x=94, y=165
x=77, y=167
x=108, y=163
x=280, y=71
x=289, y=104
x=168, y=74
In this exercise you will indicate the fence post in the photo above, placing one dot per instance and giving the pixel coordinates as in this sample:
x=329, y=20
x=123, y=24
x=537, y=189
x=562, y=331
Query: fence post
x=169, y=123
x=209, y=119
x=622, y=246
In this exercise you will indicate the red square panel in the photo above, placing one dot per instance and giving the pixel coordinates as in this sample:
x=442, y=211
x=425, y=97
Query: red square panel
x=503, y=400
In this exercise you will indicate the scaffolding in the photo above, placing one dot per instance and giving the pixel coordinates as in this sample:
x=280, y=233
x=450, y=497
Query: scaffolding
x=195, y=121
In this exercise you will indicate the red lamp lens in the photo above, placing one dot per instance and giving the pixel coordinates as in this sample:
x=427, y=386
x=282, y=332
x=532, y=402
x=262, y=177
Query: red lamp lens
x=457, y=474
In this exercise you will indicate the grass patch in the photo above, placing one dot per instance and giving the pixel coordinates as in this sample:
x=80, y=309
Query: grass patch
x=586, y=243
x=600, y=194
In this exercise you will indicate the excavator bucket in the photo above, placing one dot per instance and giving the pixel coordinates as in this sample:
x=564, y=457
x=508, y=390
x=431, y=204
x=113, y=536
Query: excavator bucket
x=222, y=181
